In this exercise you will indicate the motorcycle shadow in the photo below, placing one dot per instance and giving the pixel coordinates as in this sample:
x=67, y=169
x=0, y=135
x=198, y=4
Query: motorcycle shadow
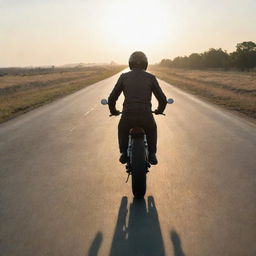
x=137, y=230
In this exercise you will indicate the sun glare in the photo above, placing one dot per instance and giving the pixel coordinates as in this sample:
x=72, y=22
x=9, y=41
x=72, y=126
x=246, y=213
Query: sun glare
x=136, y=24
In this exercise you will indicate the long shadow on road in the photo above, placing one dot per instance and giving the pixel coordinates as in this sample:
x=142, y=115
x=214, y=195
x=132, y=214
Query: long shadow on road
x=137, y=232
x=140, y=234
x=177, y=248
x=95, y=246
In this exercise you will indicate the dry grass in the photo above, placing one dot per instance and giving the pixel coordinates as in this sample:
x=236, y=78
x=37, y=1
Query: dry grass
x=21, y=93
x=57, y=76
x=233, y=90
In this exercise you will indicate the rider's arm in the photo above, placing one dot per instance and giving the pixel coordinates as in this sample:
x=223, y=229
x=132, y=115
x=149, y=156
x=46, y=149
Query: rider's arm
x=114, y=95
x=161, y=98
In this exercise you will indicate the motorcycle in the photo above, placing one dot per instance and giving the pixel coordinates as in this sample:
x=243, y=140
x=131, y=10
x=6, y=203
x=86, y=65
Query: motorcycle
x=137, y=165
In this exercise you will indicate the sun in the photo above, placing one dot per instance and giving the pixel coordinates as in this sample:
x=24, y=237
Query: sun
x=136, y=24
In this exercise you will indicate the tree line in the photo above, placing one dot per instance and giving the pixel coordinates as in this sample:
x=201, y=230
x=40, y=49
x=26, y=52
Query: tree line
x=244, y=58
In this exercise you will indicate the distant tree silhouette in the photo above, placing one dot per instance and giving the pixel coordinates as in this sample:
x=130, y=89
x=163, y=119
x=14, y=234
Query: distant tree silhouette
x=180, y=62
x=195, y=61
x=243, y=58
x=166, y=62
x=215, y=58
x=245, y=55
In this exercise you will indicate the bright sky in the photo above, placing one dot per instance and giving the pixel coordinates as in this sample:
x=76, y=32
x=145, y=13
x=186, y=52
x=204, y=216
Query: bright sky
x=42, y=32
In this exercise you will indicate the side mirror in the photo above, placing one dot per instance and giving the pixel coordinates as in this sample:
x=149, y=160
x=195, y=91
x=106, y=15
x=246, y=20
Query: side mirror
x=104, y=102
x=170, y=101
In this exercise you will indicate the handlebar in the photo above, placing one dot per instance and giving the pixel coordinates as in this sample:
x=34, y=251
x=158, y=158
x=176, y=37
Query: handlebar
x=105, y=102
x=151, y=112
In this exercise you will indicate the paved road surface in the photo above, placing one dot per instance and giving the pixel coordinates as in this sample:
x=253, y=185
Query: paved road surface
x=63, y=191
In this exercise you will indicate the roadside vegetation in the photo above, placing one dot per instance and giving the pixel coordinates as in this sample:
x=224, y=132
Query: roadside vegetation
x=233, y=90
x=244, y=59
x=23, y=89
x=225, y=79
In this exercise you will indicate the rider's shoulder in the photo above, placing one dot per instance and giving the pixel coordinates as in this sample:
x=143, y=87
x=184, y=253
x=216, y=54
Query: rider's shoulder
x=150, y=75
x=127, y=73
x=131, y=72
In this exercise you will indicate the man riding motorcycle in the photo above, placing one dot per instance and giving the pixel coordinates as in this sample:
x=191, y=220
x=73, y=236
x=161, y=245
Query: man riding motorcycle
x=137, y=86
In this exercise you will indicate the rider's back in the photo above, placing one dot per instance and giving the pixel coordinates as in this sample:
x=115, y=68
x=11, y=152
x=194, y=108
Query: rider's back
x=137, y=86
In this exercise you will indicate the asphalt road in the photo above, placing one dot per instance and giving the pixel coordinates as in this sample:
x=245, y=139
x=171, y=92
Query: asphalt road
x=63, y=191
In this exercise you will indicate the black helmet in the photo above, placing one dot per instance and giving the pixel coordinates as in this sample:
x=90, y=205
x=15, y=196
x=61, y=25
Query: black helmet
x=138, y=60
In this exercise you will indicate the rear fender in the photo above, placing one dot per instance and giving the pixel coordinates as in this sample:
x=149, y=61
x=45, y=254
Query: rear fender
x=137, y=132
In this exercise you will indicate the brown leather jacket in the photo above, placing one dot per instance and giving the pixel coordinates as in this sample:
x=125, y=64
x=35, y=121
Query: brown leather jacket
x=137, y=86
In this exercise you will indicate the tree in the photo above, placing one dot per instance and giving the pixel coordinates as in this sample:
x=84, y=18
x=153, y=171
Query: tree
x=166, y=63
x=180, y=62
x=195, y=60
x=245, y=55
x=215, y=58
x=244, y=58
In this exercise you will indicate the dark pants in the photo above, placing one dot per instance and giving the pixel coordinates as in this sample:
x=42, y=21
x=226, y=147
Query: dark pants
x=143, y=120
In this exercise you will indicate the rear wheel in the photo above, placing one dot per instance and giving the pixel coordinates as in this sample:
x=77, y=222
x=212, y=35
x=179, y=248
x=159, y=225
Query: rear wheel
x=139, y=168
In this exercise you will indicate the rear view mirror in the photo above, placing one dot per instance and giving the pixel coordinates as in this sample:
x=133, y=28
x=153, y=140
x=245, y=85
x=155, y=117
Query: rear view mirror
x=170, y=101
x=104, y=102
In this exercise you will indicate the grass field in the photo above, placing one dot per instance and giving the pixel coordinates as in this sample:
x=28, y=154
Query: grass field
x=24, y=89
x=233, y=90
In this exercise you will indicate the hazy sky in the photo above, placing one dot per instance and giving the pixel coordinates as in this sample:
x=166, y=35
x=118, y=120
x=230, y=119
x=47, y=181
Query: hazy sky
x=42, y=32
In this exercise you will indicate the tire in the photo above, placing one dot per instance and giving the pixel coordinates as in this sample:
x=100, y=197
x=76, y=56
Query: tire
x=139, y=167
